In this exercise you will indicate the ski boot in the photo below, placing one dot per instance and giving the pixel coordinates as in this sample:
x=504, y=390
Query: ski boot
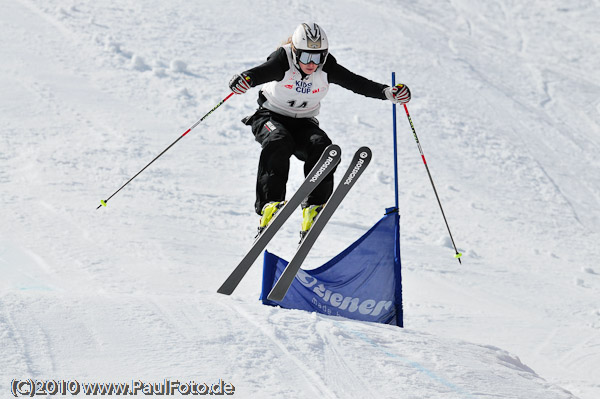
x=268, y=212
x=309, y=215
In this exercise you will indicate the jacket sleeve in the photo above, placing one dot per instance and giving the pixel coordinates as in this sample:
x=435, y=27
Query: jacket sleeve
x=273, y=69
x=341, y=76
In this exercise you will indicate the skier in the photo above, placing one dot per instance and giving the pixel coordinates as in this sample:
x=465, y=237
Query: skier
x=296, y=77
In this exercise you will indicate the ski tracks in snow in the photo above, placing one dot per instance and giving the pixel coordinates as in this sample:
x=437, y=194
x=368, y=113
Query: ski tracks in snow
x=27, y=349
x=286, y=345
x=329, y=353
x=117, y=292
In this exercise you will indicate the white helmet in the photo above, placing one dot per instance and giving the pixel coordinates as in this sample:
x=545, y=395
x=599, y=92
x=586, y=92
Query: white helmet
x=309, y=44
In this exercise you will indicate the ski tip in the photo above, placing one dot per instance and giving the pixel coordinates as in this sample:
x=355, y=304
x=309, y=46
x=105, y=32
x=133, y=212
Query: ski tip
x=333, y=150
x=365, y=153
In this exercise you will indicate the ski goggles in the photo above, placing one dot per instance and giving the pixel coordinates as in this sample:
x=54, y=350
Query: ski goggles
x=306, y=57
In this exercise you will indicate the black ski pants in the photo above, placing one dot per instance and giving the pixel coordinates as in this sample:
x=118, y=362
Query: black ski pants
x=281, y=137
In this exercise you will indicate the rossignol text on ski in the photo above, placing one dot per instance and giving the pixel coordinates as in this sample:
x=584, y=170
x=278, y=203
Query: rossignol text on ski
x=326, y=164
x=359, y=162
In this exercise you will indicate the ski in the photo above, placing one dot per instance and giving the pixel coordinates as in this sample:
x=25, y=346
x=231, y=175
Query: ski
x=357, y=166
x=328, y=161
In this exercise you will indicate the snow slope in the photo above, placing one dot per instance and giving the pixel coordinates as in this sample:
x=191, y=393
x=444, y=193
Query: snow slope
x=506, y=102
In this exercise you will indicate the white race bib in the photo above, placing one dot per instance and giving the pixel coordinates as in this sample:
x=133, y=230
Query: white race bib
x=294, y=96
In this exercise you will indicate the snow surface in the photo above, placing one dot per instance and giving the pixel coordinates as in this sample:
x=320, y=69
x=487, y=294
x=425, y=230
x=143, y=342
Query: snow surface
x=506, y=102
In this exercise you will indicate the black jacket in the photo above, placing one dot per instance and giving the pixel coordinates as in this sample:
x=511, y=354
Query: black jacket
x=277, y=64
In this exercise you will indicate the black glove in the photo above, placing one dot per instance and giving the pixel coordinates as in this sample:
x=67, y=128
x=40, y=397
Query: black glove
x=399, y=94
x=239, y=84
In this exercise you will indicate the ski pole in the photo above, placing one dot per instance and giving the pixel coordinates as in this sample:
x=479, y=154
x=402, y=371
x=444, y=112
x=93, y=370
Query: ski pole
x=103, y=202
x=458, y=254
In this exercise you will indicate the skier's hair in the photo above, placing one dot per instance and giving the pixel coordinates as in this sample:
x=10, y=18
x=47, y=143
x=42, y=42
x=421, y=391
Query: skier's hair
x=287, y=41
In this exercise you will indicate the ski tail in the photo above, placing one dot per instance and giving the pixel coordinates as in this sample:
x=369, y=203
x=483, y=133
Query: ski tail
x=360, y=161
x=324, y=166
